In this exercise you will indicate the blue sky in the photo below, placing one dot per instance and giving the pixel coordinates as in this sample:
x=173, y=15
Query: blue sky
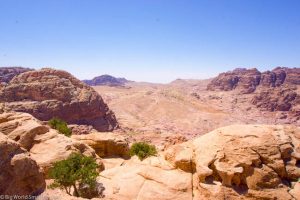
x=150, y=40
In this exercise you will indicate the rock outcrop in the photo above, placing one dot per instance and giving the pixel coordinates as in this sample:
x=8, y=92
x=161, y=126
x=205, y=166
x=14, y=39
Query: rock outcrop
x=241, y=162
x=19, y=174
x=51, y=93
x=233, y=162
x=153, y=178
x=107, y=80
x=44, y=144
x=277, y=99
x=247, y=80
x=105, y=144
x=7, y=73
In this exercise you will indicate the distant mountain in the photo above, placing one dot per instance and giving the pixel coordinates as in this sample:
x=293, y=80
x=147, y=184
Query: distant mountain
x=276, y=90
x=107, y=80
x=7, y=73
x=248, y=80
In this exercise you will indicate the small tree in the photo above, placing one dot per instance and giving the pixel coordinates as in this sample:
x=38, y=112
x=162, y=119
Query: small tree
x=142, y=150
x=76, y=170
x=61, y=126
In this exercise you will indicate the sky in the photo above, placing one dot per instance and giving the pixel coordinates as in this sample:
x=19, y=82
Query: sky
x=150, y=40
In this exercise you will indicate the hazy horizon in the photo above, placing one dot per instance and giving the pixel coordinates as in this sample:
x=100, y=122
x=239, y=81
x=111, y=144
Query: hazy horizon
x=151, y=41
x=118, y=76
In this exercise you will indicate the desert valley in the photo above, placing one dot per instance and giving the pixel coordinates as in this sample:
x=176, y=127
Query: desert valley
x=234, y=136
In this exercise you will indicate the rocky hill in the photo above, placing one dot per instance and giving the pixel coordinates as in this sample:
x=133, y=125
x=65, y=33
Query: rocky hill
x=106, y=80
x=7, y=73
x=248, y=80
x=51, y=93
x=276, y=90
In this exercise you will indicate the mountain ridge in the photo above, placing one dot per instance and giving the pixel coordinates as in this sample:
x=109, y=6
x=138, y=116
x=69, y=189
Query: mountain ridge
x=106, y=79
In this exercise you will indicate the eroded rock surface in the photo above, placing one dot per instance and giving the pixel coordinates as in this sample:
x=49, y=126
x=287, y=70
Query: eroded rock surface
x=153, y=178
x=244, y=79
x=241, y=161
x=277, y=99
x=276, y=90
x=105, y=144
x=247, y=80
x=51, y=93
x=233, y=162
x=45, y=145
x=19, y=173
x=7, y=73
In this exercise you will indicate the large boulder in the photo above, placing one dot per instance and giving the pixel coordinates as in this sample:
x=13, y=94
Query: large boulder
x=46, y=145
x=19, y=174
x=241, y=162
x=7, y=73
x=49, y=93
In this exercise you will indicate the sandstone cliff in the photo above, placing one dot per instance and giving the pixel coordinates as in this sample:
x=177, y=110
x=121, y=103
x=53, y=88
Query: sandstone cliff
x=248, y=80
x=276, y=90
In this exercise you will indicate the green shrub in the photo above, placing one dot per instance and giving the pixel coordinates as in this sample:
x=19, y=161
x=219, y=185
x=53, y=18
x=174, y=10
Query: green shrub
x=142, y=150
x=76, y=170
x=61, y=126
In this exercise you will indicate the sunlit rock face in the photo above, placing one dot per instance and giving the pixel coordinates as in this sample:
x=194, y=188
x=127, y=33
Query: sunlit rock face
x=248, y=80
x=51, y=93
x=45, y=145
x=19, y=174
x=241, y=162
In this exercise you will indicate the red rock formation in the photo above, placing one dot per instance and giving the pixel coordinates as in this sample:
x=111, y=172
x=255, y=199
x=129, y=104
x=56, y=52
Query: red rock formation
x=275, y=90
x=279, y=99
x=247, y=80
x=51, y=93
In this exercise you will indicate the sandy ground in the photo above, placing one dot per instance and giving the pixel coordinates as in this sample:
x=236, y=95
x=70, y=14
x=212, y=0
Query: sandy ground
x=184, y=107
